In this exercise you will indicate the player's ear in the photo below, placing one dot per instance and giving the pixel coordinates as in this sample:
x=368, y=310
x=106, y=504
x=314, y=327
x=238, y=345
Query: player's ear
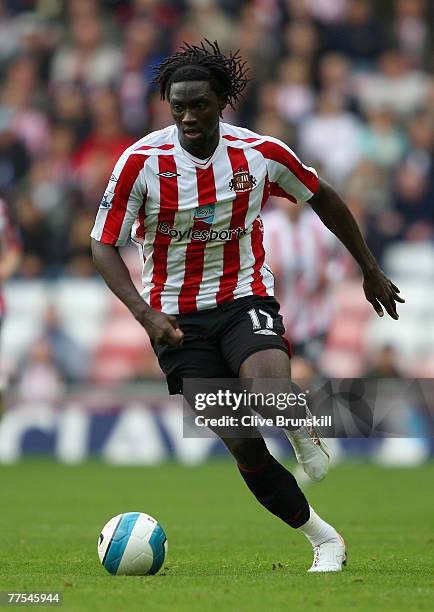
x=222, y=105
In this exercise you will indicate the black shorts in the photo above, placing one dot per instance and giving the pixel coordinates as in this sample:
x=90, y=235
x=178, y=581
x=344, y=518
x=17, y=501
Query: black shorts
x=217, y=341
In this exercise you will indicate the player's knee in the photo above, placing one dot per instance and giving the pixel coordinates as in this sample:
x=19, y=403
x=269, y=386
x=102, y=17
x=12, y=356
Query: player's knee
x=248, y=452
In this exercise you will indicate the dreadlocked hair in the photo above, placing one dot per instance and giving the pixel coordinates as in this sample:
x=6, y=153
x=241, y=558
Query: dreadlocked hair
x=226, y=75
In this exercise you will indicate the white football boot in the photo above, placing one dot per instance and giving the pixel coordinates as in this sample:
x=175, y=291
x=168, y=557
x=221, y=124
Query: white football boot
x=310, y=450
x=330, y=556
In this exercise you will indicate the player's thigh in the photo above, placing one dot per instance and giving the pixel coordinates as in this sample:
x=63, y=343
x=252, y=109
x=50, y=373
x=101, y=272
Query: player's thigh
x=194, y=359
x=268, y=363
x=255, y=327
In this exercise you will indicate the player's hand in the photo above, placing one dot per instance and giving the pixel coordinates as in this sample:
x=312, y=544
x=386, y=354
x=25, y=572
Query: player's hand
x=161, y=328
x=380, y=291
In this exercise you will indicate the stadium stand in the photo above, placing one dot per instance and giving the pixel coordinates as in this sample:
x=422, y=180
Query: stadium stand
x=76, y=88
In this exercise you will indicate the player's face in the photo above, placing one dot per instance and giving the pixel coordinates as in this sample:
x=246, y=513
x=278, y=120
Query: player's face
x=196, y=110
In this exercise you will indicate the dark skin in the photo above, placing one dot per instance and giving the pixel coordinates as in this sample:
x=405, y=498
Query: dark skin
x=196, y=111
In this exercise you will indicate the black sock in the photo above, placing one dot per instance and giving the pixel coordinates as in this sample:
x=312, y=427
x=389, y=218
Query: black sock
x=277, y=490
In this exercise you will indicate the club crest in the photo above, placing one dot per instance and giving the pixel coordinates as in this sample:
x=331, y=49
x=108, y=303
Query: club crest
x=242, y=181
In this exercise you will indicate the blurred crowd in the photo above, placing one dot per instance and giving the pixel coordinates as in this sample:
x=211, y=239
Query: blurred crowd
x=347, y=83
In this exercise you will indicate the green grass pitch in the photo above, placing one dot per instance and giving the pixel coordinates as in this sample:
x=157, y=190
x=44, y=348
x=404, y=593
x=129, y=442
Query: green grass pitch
x=226, y=553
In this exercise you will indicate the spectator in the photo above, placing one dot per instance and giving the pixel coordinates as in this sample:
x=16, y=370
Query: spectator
x=421, y=146
x=395, y=86
x=256, y=38
x=328, y=11
x=97, y=154
x=370, y=185
x=34, y=229
x=138, y=57
x=411, y=30
x=14, y=159
x=79, y=259
x=88, y=59
x=295, y=96
x=72, y=360
x=331, y=137
x=359, y=36
x=382, y=140
x=9, y=42
x=335, y=77
x=305, y=258
x=301, y=40
x=412, y=202
x=29, y=123
x=69, y=108
x=208, y=20
x=270, y=123
x=384, y=364
x=40, y=378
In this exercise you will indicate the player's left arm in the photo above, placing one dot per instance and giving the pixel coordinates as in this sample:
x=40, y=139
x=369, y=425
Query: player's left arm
x=334, y=213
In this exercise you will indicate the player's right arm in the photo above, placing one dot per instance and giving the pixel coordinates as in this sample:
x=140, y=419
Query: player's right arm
x=125, y=194
x=161, y=328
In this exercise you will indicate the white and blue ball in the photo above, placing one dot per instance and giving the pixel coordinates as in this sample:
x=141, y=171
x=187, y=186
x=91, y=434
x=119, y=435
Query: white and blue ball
x=132, y=544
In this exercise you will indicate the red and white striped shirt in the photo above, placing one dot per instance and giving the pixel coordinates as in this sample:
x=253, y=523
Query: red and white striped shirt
x=198, y=222
x=305, y=256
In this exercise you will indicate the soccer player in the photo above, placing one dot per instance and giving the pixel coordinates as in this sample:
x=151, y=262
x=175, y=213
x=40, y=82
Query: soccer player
x=191, y=197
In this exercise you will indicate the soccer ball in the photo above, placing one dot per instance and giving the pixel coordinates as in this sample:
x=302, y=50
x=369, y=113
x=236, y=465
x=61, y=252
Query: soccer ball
x=132, y=544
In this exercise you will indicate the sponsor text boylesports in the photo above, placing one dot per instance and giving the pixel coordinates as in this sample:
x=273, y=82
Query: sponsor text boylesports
x=203, y=235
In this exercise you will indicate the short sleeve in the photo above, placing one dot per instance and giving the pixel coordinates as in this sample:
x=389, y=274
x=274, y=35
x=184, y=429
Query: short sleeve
x=122, y=200
x=288, y=176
